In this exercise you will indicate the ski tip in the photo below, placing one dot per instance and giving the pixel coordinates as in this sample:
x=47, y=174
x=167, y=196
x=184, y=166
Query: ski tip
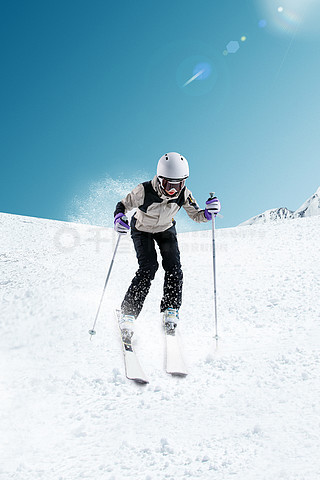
x=140, y=381
x=178, y=374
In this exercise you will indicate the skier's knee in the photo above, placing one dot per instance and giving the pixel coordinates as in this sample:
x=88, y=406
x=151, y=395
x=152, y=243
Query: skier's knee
x=149, y=271
x=153, y=270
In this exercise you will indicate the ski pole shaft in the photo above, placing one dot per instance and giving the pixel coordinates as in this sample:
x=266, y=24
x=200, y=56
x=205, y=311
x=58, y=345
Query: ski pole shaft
x=214, y=275
x=92, y=331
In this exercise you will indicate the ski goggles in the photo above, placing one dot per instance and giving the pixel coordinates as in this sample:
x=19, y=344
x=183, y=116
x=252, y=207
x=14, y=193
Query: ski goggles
x=172, y=186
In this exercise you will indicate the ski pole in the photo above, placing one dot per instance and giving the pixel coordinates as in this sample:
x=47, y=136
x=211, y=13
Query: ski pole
x=92, y=331
x=214, y=276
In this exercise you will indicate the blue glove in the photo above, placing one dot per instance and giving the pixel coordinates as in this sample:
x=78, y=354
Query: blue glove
x=213, y=207
x=121, y=224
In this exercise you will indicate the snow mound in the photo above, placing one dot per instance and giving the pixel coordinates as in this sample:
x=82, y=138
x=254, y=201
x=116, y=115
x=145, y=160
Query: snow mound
x=248, y=411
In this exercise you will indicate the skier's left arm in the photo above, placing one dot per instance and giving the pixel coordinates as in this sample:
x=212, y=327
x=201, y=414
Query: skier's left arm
x=192, y=208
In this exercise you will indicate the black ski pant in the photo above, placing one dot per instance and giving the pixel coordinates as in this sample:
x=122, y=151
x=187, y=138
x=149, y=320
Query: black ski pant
x=144, y=244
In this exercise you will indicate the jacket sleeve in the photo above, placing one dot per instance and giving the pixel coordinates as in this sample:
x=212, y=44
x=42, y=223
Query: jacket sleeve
x=193, y=209
x=133, y=200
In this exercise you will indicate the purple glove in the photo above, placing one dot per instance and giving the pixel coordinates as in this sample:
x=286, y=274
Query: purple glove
x=121, y=224
x=212, y=208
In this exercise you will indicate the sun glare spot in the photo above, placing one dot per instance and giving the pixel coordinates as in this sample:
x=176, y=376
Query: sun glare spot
x=262, y=23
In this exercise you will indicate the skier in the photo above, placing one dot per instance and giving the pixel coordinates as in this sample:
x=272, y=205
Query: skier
x=157, y=202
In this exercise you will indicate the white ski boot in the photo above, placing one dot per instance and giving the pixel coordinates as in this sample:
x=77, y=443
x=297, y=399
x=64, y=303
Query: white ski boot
x=126, y=324
x=170, y=320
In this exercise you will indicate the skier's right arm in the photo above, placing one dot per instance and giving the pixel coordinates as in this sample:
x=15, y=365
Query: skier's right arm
x=133, y=200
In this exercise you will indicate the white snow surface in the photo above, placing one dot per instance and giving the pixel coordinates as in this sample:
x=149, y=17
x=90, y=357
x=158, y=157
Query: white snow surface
x=247, y=411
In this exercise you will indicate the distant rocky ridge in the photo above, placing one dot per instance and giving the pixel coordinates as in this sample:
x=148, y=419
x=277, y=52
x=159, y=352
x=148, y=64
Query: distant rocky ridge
x=309, y=208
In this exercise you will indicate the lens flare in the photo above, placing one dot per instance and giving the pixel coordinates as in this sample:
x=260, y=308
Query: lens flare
x=262, y=23
x=200, y=72
x=204, y=68
x=290, y=16
x=288, y=20
x=196, y=75
x=233, y=46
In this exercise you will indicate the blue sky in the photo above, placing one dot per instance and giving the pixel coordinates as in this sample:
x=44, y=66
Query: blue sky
x=92, y=91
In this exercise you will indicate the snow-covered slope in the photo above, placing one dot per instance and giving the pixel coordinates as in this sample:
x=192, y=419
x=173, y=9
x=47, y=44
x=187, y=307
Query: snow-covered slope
x=310, y=207
x=248, y=411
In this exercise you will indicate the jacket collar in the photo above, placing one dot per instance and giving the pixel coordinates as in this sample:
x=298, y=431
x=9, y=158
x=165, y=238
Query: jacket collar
x=156, y=186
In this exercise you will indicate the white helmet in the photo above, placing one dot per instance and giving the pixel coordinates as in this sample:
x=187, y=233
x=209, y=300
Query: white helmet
x=173, y=166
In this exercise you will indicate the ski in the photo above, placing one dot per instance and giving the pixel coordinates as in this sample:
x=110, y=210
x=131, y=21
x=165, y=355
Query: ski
x=132, y=366
x=174, y=361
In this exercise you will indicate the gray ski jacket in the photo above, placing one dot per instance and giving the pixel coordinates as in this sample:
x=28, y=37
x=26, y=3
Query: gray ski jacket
x=155, y=211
